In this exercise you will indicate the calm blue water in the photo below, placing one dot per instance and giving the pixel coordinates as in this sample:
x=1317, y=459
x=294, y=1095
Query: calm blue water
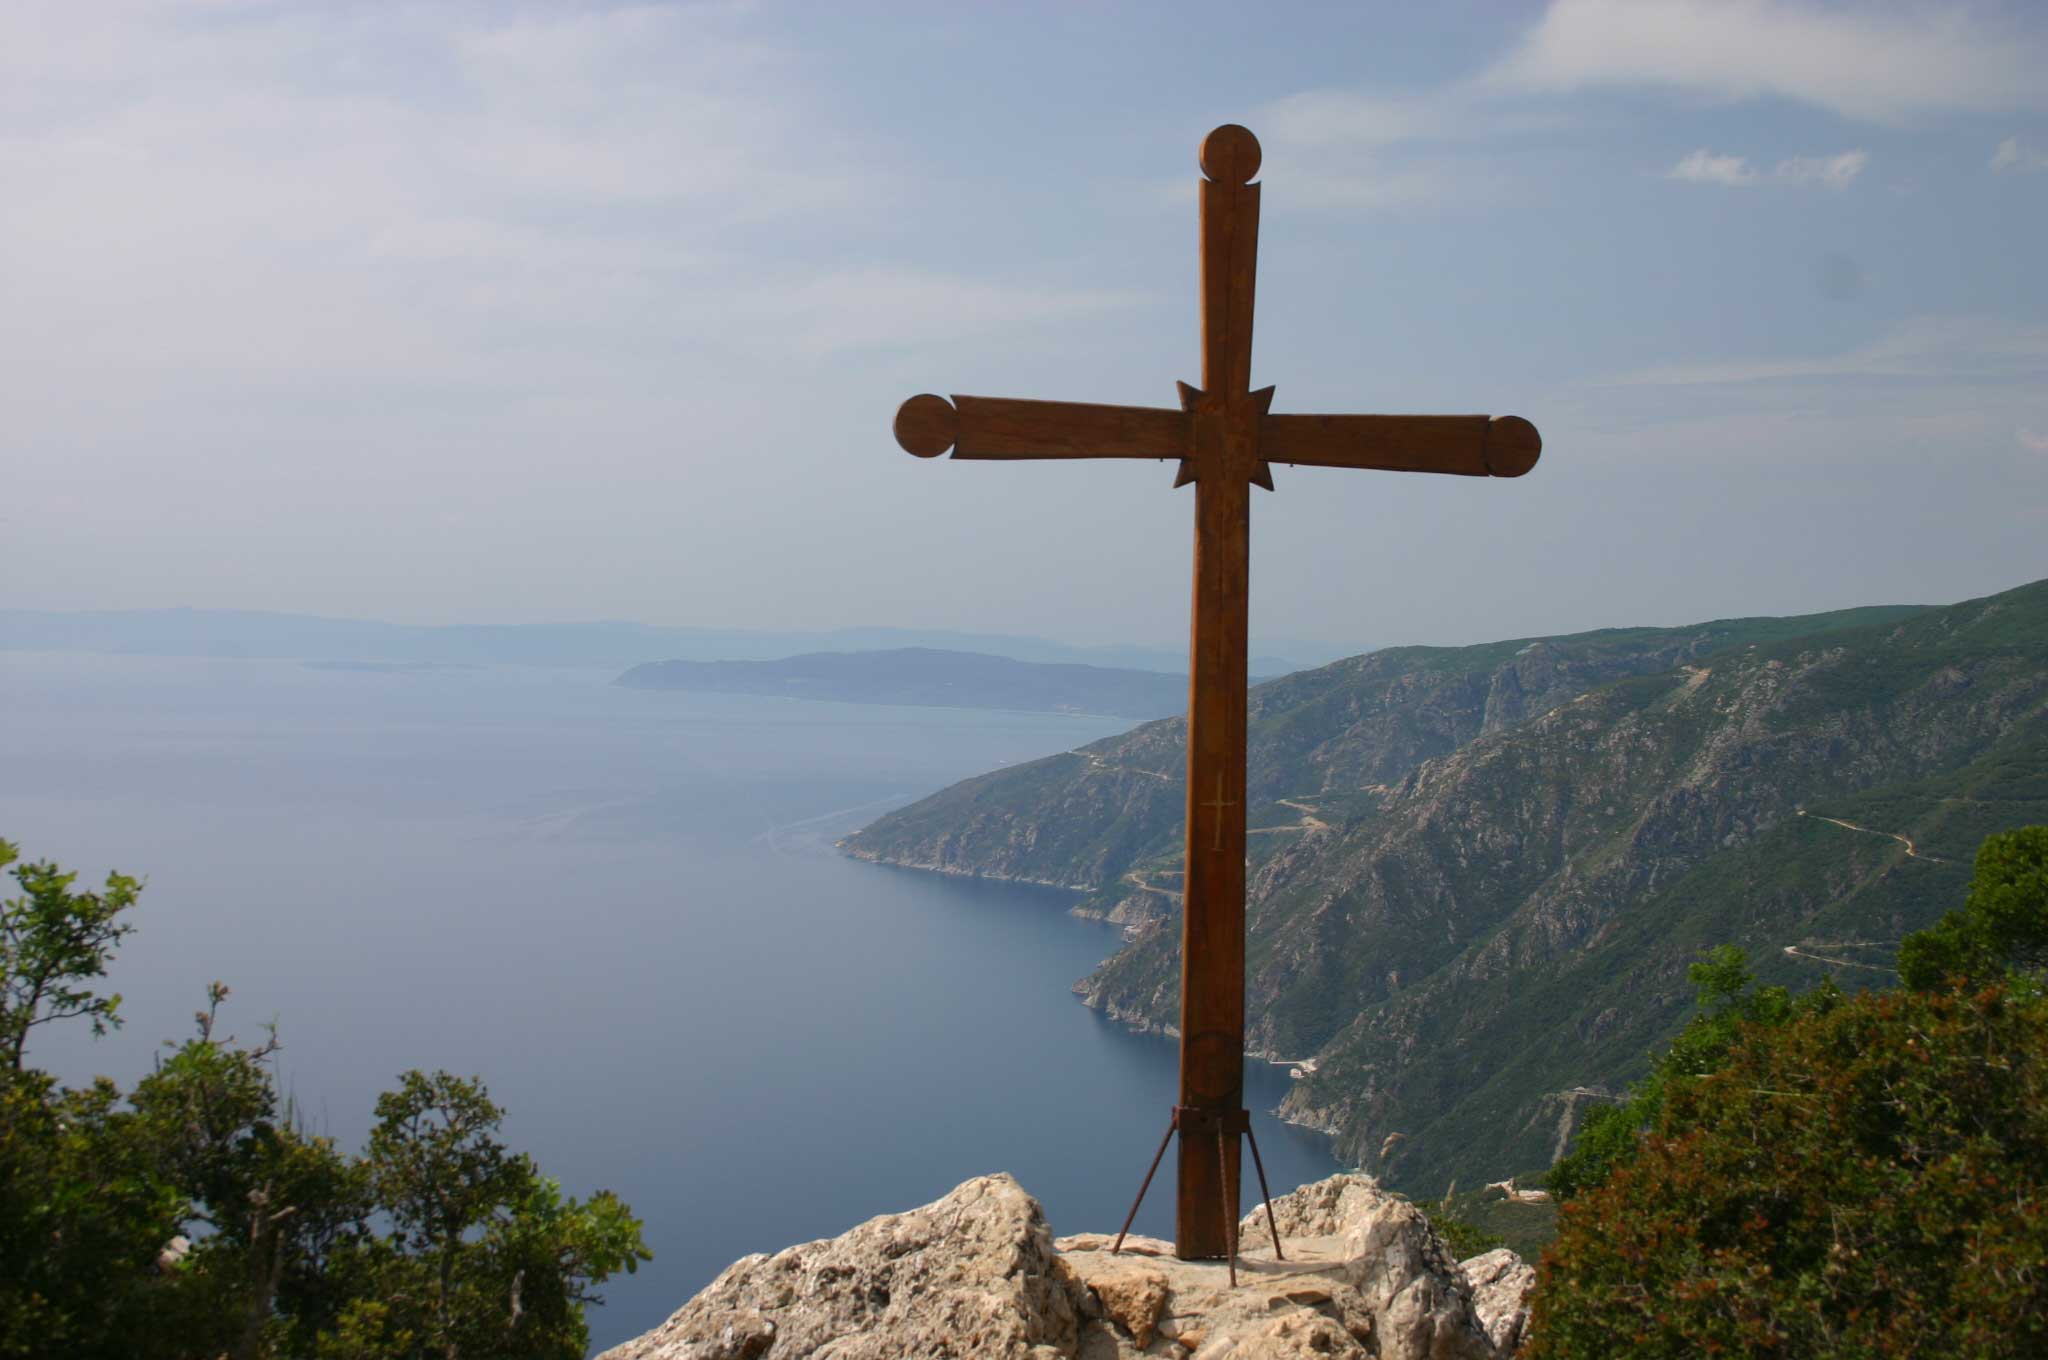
x=623, y=911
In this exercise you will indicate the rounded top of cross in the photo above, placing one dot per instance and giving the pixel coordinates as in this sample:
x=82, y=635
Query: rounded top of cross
x=1230, y=155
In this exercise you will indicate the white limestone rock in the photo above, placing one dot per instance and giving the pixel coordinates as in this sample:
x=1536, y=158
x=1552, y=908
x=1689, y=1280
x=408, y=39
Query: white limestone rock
x=976, y=1274
x=973, y=1275
x=1500, y=1283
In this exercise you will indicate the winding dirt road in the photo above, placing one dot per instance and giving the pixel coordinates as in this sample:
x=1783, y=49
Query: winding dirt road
x=1912, y=851
x=1096, y=762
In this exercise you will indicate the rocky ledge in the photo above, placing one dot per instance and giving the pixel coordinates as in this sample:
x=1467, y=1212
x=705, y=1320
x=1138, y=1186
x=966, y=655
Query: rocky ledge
x=979, y=1274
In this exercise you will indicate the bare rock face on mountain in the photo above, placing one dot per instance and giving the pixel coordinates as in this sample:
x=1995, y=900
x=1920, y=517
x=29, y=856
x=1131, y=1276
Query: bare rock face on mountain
x=978, y=1274
x=1476, y=876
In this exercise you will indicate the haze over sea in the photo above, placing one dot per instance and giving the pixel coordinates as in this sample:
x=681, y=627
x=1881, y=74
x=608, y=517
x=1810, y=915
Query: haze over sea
x=622, y=910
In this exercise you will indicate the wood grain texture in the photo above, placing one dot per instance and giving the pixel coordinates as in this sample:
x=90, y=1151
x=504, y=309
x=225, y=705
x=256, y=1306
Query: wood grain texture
x=1227, y=418
x=1001, y=427
x=1450, y=444
x=1461, y=446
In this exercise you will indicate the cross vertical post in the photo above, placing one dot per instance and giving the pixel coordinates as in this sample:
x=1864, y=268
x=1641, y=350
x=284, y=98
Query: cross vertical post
x=1225, y=438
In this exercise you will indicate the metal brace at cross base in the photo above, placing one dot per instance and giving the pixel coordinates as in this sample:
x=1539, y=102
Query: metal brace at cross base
x=1194, y=1123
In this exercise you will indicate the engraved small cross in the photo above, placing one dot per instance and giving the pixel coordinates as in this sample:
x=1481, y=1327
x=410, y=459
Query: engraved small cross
x=1219, y=803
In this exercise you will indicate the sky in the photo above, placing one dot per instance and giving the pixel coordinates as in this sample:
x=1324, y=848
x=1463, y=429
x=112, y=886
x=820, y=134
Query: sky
x=461, y=312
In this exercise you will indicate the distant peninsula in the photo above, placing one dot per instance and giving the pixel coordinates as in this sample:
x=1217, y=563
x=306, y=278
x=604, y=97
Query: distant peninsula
x=929, y=677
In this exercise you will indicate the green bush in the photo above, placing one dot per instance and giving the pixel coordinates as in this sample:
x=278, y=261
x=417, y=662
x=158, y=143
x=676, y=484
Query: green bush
x=438, y=1241
x=2001, y=926
x=1465, y=1238
x=1830, y=1175
x=1871, y=1179
x=1727, y=1004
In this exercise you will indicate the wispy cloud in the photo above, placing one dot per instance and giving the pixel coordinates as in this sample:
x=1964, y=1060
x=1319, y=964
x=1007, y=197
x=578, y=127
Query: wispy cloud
x=853, y=308
x=1972, y=350
x=1704, y=167
x=296, y=195
x=2033, y=441
x=2017, y=157
x=1344, y=149
x=1881, y=63
x=1831, y=172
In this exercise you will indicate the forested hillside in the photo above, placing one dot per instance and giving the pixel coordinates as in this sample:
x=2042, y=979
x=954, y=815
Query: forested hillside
x=1478, y=874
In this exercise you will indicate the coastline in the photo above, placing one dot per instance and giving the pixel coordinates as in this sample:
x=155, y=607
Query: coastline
x=1131, y=1021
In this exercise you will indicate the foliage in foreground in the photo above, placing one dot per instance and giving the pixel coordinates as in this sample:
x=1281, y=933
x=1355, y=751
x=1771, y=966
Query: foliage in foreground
x=1843, y=1176
x=438, y=1241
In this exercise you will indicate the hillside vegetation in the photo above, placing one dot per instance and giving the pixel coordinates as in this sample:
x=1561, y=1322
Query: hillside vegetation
x=1479, y=874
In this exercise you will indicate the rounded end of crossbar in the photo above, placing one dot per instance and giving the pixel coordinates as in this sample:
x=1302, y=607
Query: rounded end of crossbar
x=1230, y=155
x=1512, y=446
x=927, y=425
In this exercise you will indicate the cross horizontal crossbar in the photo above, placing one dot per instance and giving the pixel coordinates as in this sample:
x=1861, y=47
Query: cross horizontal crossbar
x=1004, y=428
x=1464, y=446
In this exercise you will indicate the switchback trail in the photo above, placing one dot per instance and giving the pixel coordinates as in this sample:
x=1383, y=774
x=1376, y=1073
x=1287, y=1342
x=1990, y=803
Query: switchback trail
x=1796, y=952
x=1912, y=852
x=1096, y=762
x=1309, y=821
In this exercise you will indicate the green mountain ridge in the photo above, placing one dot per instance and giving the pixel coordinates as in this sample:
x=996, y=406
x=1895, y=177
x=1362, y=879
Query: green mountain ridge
x=1492, y=864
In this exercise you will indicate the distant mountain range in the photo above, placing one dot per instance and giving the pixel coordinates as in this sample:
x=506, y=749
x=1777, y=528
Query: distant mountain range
x=932, y=677
x=1478, y=874
x=240, y=633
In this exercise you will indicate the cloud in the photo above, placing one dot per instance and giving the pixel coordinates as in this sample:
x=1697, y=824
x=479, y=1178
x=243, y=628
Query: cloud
x=2033, y=441
x=2016, y=157
x=1832, y=172
x=1973, y=351
x=1322, y=118
x=267, y=198
x=854, y=308
x=1704, y=167
x=1346, y=150
x=1877, y=63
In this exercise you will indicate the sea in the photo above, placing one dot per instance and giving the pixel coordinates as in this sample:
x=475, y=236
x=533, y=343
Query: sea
x=624, y=912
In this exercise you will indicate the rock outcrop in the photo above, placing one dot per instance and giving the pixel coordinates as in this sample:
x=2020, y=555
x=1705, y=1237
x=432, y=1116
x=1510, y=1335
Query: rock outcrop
x=1500, y=1283
x=973, y=1275
x=978, y=1274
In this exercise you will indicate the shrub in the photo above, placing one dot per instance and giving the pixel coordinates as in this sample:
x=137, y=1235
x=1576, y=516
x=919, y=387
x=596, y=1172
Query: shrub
x=1726, y=1003
x=439, y=1241
x=2001, y=926
x=1870, y=1178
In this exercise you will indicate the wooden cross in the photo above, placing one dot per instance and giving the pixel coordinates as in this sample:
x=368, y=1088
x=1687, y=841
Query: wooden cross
x=1226, y=439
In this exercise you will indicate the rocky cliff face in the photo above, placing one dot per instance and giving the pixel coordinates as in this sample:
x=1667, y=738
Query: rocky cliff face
x=1478, y=875
x=978, y=1275
x=1336, y=738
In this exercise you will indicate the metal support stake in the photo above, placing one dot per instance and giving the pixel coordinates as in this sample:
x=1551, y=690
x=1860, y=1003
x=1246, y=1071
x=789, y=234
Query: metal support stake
x=1229, y=1201
x=1194, y=1121
x=1171, y=1125
x=1264, y=1193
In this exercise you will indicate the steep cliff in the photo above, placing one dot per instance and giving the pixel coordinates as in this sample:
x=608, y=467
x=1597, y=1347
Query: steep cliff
x=1479, y=873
